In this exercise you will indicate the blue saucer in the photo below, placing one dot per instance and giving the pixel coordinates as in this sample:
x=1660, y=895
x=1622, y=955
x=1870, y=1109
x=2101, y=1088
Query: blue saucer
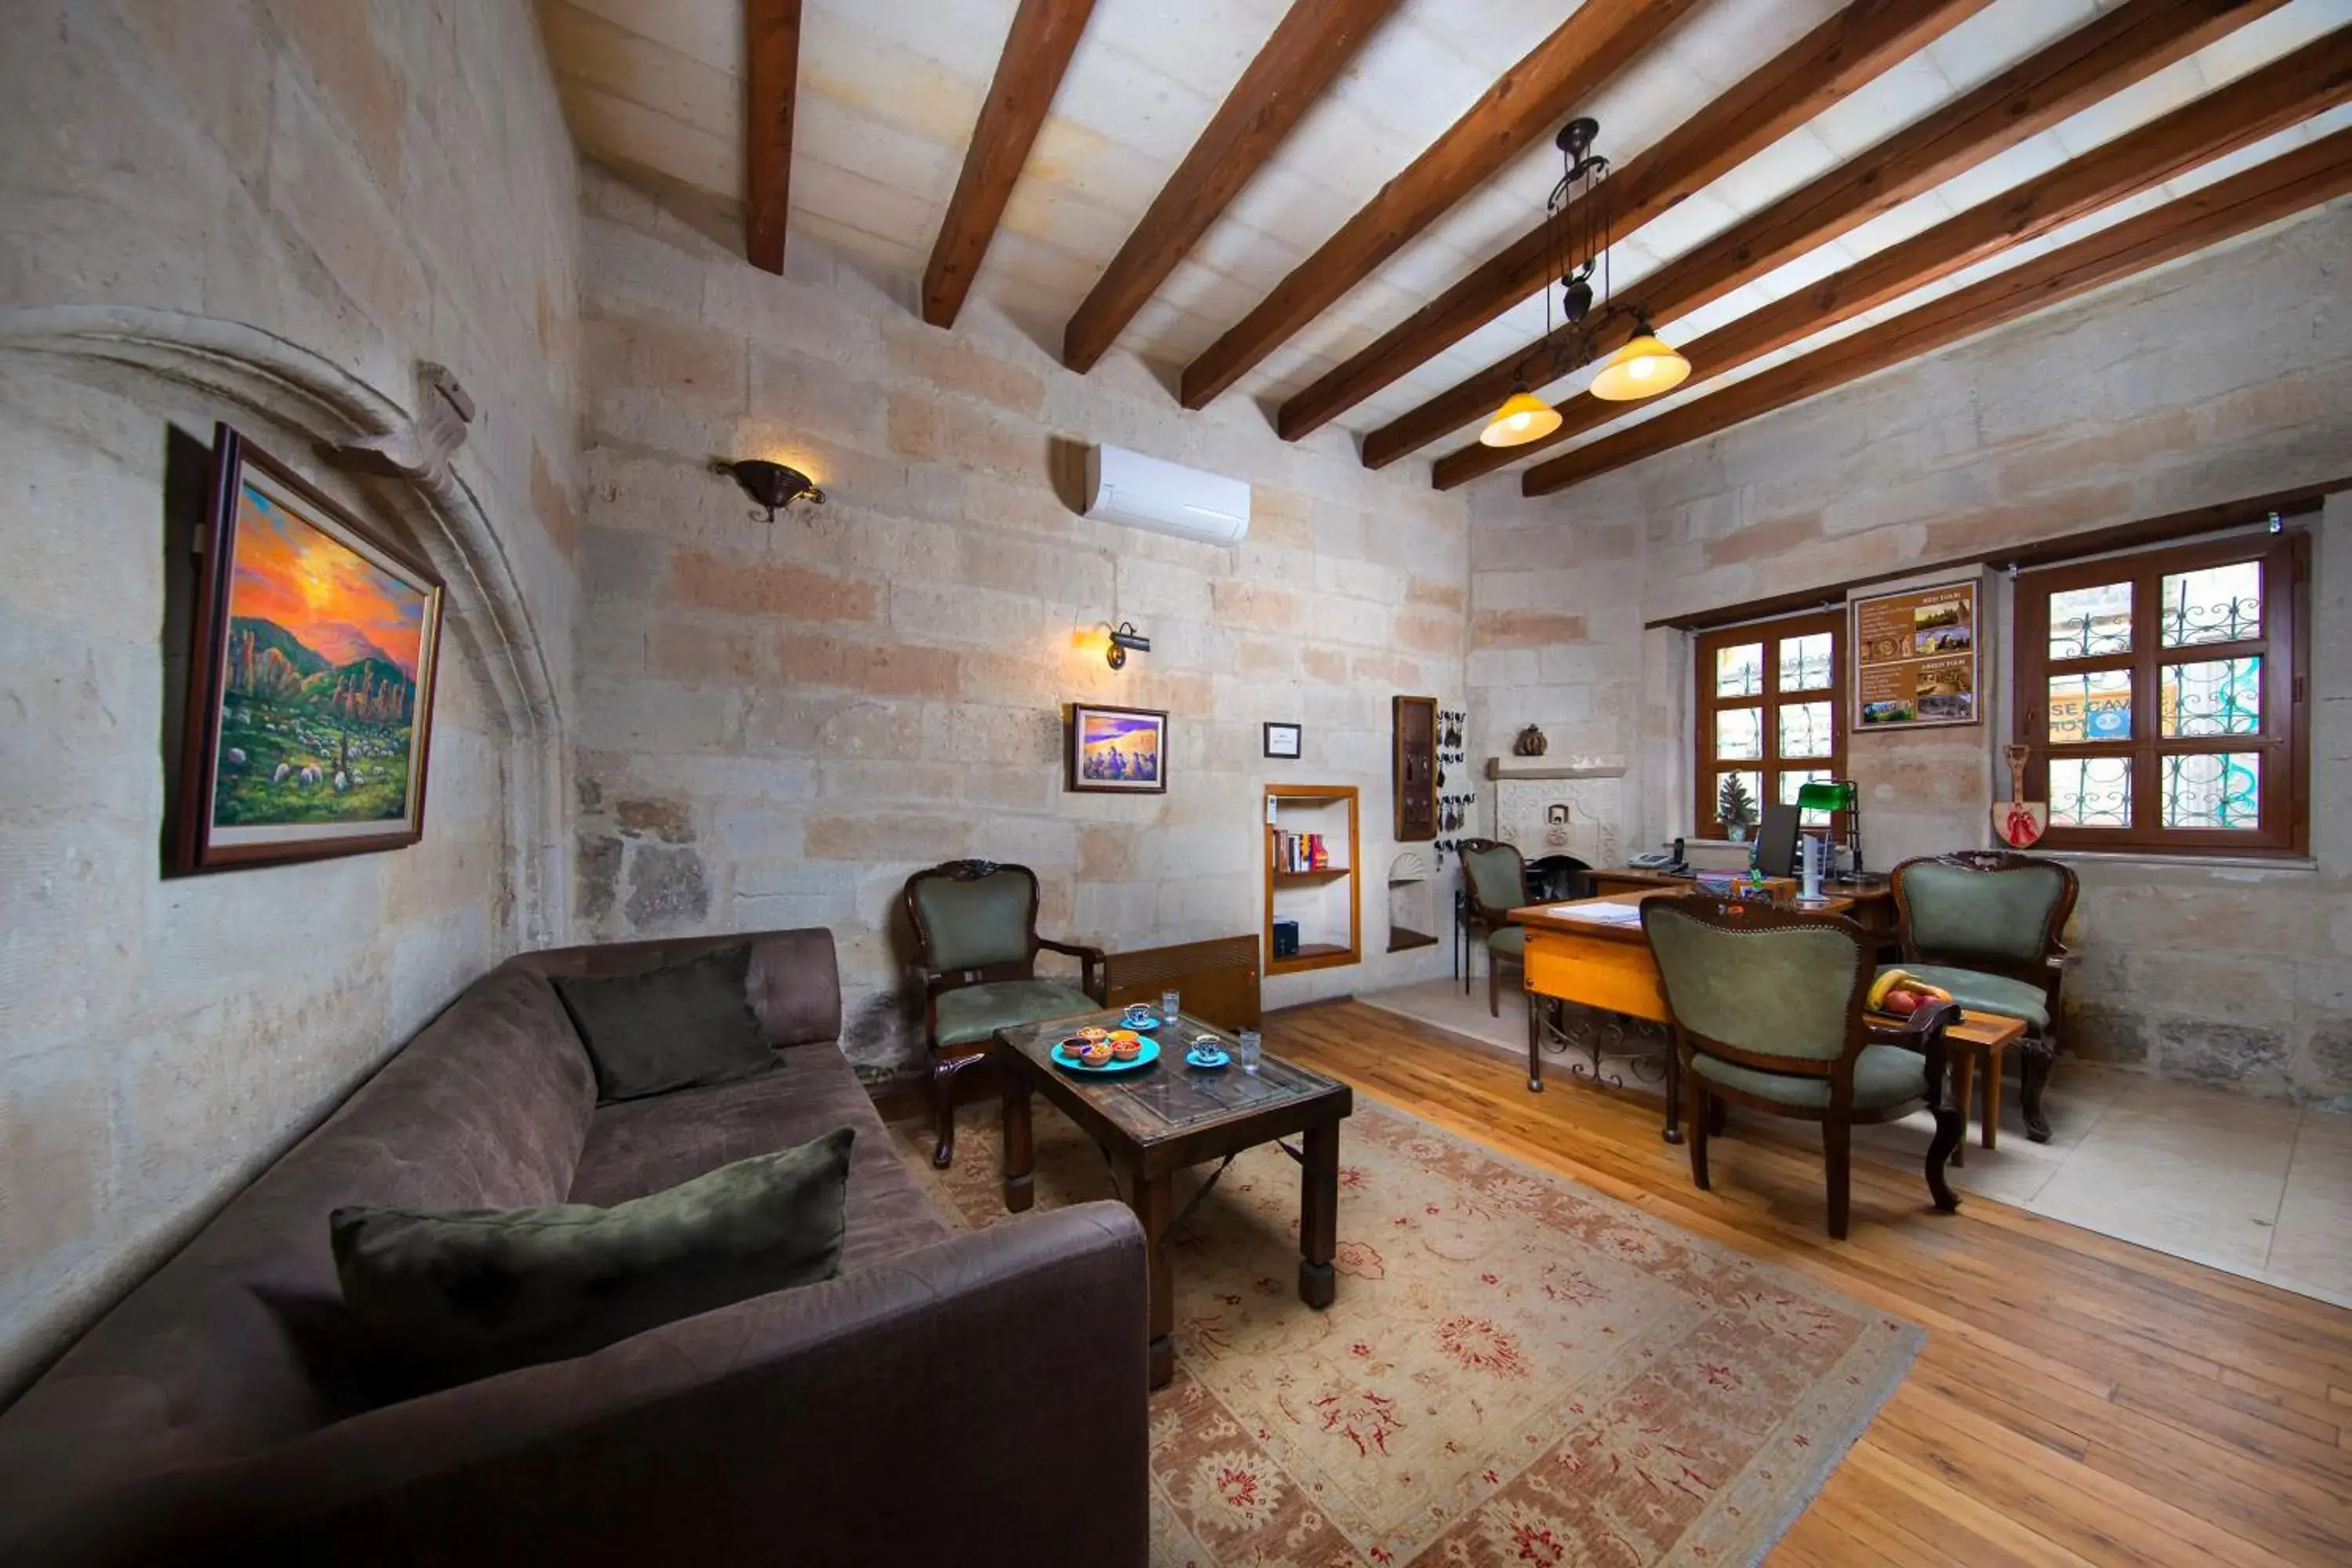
x=1145, y=1027
x=1207, y=1060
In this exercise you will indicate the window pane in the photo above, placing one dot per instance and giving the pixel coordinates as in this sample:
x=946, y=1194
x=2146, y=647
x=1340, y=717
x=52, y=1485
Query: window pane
x=1739, y=732
x=2222, y=697
x=1739, y=671
x=1743, y=805
x=1805, y=663
x=2090, y=791
x=2218, y=790
x=2086, y=621
x=1805, y=730
x=2220, y=603
x=2094, y=706
x=1793, y=780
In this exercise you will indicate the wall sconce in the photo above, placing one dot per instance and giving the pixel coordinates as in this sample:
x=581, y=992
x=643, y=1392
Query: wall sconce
x=771, y=485
x=1124, y=638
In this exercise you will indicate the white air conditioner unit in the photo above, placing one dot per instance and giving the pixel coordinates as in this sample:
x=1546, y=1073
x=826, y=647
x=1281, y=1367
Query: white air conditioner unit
x=1166, y=498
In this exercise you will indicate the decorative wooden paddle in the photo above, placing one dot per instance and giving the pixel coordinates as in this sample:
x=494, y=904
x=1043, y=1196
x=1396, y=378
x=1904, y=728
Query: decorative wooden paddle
x=2020, y=823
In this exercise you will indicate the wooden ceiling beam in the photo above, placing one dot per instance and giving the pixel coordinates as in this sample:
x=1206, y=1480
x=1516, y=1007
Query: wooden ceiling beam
x=2318, y=171
x=2097, y=60
x=1849, y=50
x=1313, y=43
x=1527, y=103
x=2315, y=78
x=771, y=48
x=1036, y=52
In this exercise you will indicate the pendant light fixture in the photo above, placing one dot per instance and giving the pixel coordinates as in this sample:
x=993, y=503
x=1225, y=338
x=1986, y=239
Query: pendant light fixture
x=1577, y=239
x=1644, y=367
x=1524, y=417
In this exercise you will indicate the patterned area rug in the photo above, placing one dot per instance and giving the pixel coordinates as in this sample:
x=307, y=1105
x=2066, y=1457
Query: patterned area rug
x=1517, y=1370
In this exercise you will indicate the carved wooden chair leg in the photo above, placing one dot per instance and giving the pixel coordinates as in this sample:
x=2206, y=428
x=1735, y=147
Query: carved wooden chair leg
x=1494, y=983
x=943, y=1071
x=1837, y=1154
x=1719, y=1115
x=2033, y=1074
x=1951, y=1131
x=1963, y=1068
x=1702, y=1114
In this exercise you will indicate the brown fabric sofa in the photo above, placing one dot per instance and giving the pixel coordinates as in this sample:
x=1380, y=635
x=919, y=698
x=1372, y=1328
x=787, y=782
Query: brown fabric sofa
x=927, y=1406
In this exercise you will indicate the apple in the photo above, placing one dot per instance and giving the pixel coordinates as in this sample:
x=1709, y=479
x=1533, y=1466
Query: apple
x=1903, y=1003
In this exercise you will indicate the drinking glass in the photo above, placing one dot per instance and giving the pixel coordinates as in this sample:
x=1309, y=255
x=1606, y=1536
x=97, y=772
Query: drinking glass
x=1168, y=999
x=1245, y=1050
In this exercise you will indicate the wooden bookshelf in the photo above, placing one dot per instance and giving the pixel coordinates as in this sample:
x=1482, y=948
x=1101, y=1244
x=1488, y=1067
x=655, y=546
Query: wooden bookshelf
x=1326, y=901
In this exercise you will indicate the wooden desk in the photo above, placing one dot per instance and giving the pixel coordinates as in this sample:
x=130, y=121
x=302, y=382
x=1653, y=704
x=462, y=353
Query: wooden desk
x=1872, y=903
x=1586, y=953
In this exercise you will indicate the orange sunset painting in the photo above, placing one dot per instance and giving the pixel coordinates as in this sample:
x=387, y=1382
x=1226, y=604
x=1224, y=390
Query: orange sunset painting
x=322, y=671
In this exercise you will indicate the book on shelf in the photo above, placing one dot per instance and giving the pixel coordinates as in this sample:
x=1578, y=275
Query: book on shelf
x=1299, y=852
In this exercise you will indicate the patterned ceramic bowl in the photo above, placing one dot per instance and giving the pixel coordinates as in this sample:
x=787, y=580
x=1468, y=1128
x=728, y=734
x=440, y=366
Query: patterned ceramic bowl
x=1096, y=1053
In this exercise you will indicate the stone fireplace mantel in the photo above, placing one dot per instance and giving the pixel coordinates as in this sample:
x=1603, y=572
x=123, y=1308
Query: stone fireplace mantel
x=1560, y=805
x=1555, y=767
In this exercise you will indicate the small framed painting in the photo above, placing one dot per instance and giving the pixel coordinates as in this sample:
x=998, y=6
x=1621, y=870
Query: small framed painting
x=1282, y=739
x=311, y=691
x=1117, y=751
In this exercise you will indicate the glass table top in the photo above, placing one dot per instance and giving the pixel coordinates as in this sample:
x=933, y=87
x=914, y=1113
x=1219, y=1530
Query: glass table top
x=1169, y=1096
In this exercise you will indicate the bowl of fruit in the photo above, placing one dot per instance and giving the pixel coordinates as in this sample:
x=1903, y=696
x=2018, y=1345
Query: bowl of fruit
x=1898, y=993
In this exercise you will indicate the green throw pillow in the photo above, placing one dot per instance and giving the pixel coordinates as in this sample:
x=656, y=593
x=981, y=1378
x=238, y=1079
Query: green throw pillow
x=463, y=1295
x=669, y=1028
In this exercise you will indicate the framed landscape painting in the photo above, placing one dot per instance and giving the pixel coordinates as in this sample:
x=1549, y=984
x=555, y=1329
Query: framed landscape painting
x=311, y=691
x=1117, y=751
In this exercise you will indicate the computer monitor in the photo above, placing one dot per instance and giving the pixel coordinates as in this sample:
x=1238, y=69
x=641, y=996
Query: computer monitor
x=1776, y=841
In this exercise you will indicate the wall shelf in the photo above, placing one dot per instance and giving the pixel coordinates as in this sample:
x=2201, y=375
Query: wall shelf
x=1324, y=902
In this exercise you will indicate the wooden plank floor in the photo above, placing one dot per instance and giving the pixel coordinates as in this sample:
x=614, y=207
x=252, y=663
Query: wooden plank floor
x=2080, y=1399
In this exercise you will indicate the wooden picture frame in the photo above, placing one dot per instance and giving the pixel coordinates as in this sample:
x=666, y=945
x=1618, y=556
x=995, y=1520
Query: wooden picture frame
x=1285, y=741
x=309, y=717
x=1114, y=751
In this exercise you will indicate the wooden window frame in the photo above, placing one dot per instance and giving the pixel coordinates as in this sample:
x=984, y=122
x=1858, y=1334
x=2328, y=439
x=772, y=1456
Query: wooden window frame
x=1706, y=705
x=2283, y=742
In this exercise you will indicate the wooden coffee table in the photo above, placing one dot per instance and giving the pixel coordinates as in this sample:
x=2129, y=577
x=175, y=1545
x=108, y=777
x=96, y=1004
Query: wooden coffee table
x=1158, y=1120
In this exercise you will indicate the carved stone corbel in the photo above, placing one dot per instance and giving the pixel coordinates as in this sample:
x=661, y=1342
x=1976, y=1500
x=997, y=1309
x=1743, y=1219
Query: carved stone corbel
x=420, y=449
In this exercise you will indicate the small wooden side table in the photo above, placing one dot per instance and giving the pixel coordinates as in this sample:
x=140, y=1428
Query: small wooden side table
x=1976, y=1040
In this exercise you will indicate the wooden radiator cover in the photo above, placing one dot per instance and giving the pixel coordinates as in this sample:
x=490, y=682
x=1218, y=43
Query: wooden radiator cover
x=1218, y=979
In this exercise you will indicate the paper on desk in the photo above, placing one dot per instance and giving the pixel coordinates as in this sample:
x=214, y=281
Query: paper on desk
x=1600, y=914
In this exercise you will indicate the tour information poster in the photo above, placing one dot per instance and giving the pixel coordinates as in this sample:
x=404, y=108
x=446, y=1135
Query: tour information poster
x=1915, y=658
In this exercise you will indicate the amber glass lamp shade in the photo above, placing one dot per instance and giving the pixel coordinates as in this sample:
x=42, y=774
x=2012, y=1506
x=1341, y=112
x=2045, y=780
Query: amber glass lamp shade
x=1524, y=417
x=1643, y=368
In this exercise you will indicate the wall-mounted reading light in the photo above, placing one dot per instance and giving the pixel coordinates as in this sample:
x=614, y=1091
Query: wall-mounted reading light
x=771, y=485
x=1123, y=639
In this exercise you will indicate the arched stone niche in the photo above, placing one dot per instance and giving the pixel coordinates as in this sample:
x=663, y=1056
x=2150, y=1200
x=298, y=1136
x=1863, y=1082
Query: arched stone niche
x=308, y=408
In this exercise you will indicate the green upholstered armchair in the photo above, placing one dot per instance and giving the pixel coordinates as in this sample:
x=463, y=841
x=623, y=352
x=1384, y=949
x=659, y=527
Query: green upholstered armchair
x=976, y=953
x=1494, y=883
x=1768, y=1010
x=1984, y=924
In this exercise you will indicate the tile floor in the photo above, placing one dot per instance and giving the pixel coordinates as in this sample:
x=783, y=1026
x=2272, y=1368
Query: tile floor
x=2257, y=1187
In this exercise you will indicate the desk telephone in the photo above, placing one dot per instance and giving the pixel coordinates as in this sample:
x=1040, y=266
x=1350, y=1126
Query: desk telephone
x=1669, y=861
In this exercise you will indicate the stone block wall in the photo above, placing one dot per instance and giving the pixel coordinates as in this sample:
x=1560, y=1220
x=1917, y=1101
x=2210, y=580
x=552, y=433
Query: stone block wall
x=2226, y=376
x=779, y=722
x=346, y=187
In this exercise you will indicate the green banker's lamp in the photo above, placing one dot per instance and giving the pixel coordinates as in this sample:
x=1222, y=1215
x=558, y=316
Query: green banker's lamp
x=1835, y=796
